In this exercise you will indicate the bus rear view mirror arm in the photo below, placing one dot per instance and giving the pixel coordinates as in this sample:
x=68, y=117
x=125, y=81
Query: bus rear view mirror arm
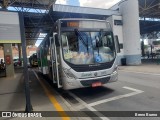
x=117, y=44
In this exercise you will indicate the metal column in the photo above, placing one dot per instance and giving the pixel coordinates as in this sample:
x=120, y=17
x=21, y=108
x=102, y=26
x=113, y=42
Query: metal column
x=26, y=75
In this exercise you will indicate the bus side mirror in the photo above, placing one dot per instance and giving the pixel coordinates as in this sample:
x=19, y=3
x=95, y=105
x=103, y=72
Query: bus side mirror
x=117, y=44
x=55, y=35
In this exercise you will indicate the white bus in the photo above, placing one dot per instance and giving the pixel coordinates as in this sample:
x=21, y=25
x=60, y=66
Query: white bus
x=81, y=53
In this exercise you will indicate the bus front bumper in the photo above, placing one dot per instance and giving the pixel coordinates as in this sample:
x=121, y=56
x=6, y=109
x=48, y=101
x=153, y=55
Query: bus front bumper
x=80, y=83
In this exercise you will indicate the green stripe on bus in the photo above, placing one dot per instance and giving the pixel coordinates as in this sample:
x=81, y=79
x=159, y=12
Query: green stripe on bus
x=44, y=62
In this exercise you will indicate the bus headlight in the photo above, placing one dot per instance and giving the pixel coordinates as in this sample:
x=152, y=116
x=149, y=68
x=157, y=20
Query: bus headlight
x=114, y=75
x=68, y=73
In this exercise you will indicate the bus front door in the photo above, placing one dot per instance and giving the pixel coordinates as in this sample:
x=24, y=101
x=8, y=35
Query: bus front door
x=55, y=71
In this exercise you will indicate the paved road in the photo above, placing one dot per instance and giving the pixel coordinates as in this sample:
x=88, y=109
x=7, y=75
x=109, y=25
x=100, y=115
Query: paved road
x=133, y=92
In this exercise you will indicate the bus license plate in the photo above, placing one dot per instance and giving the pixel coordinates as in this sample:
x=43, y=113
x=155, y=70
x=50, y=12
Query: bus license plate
x=96, y=84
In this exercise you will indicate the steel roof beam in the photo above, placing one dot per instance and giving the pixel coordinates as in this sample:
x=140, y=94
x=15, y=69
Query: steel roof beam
x=84, y=10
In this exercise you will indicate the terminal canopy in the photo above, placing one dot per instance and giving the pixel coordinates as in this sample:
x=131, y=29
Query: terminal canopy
x=149, y=8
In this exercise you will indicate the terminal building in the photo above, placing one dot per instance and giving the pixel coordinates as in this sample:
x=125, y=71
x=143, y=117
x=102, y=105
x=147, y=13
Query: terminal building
x=128, y=19
x=49, y=51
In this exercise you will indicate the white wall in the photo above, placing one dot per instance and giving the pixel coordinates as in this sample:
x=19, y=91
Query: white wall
x=9, y=27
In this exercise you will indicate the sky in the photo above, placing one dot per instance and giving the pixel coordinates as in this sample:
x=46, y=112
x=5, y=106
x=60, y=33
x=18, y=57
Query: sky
x=105, y=4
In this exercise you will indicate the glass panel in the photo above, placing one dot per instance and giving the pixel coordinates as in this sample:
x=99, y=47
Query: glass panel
x=88, y=47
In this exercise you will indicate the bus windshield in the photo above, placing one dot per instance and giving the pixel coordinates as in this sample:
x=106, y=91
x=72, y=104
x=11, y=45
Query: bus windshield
x=81, y=47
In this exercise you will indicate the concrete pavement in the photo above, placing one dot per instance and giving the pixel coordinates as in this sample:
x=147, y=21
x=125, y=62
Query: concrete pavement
x=136, y=90
x=43, y=98
x=146, y=68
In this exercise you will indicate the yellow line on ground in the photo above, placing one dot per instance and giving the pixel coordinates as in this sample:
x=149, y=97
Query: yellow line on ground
x=53, y=100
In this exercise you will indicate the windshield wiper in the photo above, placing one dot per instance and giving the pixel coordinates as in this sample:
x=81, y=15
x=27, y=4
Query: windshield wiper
x=78, y=33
